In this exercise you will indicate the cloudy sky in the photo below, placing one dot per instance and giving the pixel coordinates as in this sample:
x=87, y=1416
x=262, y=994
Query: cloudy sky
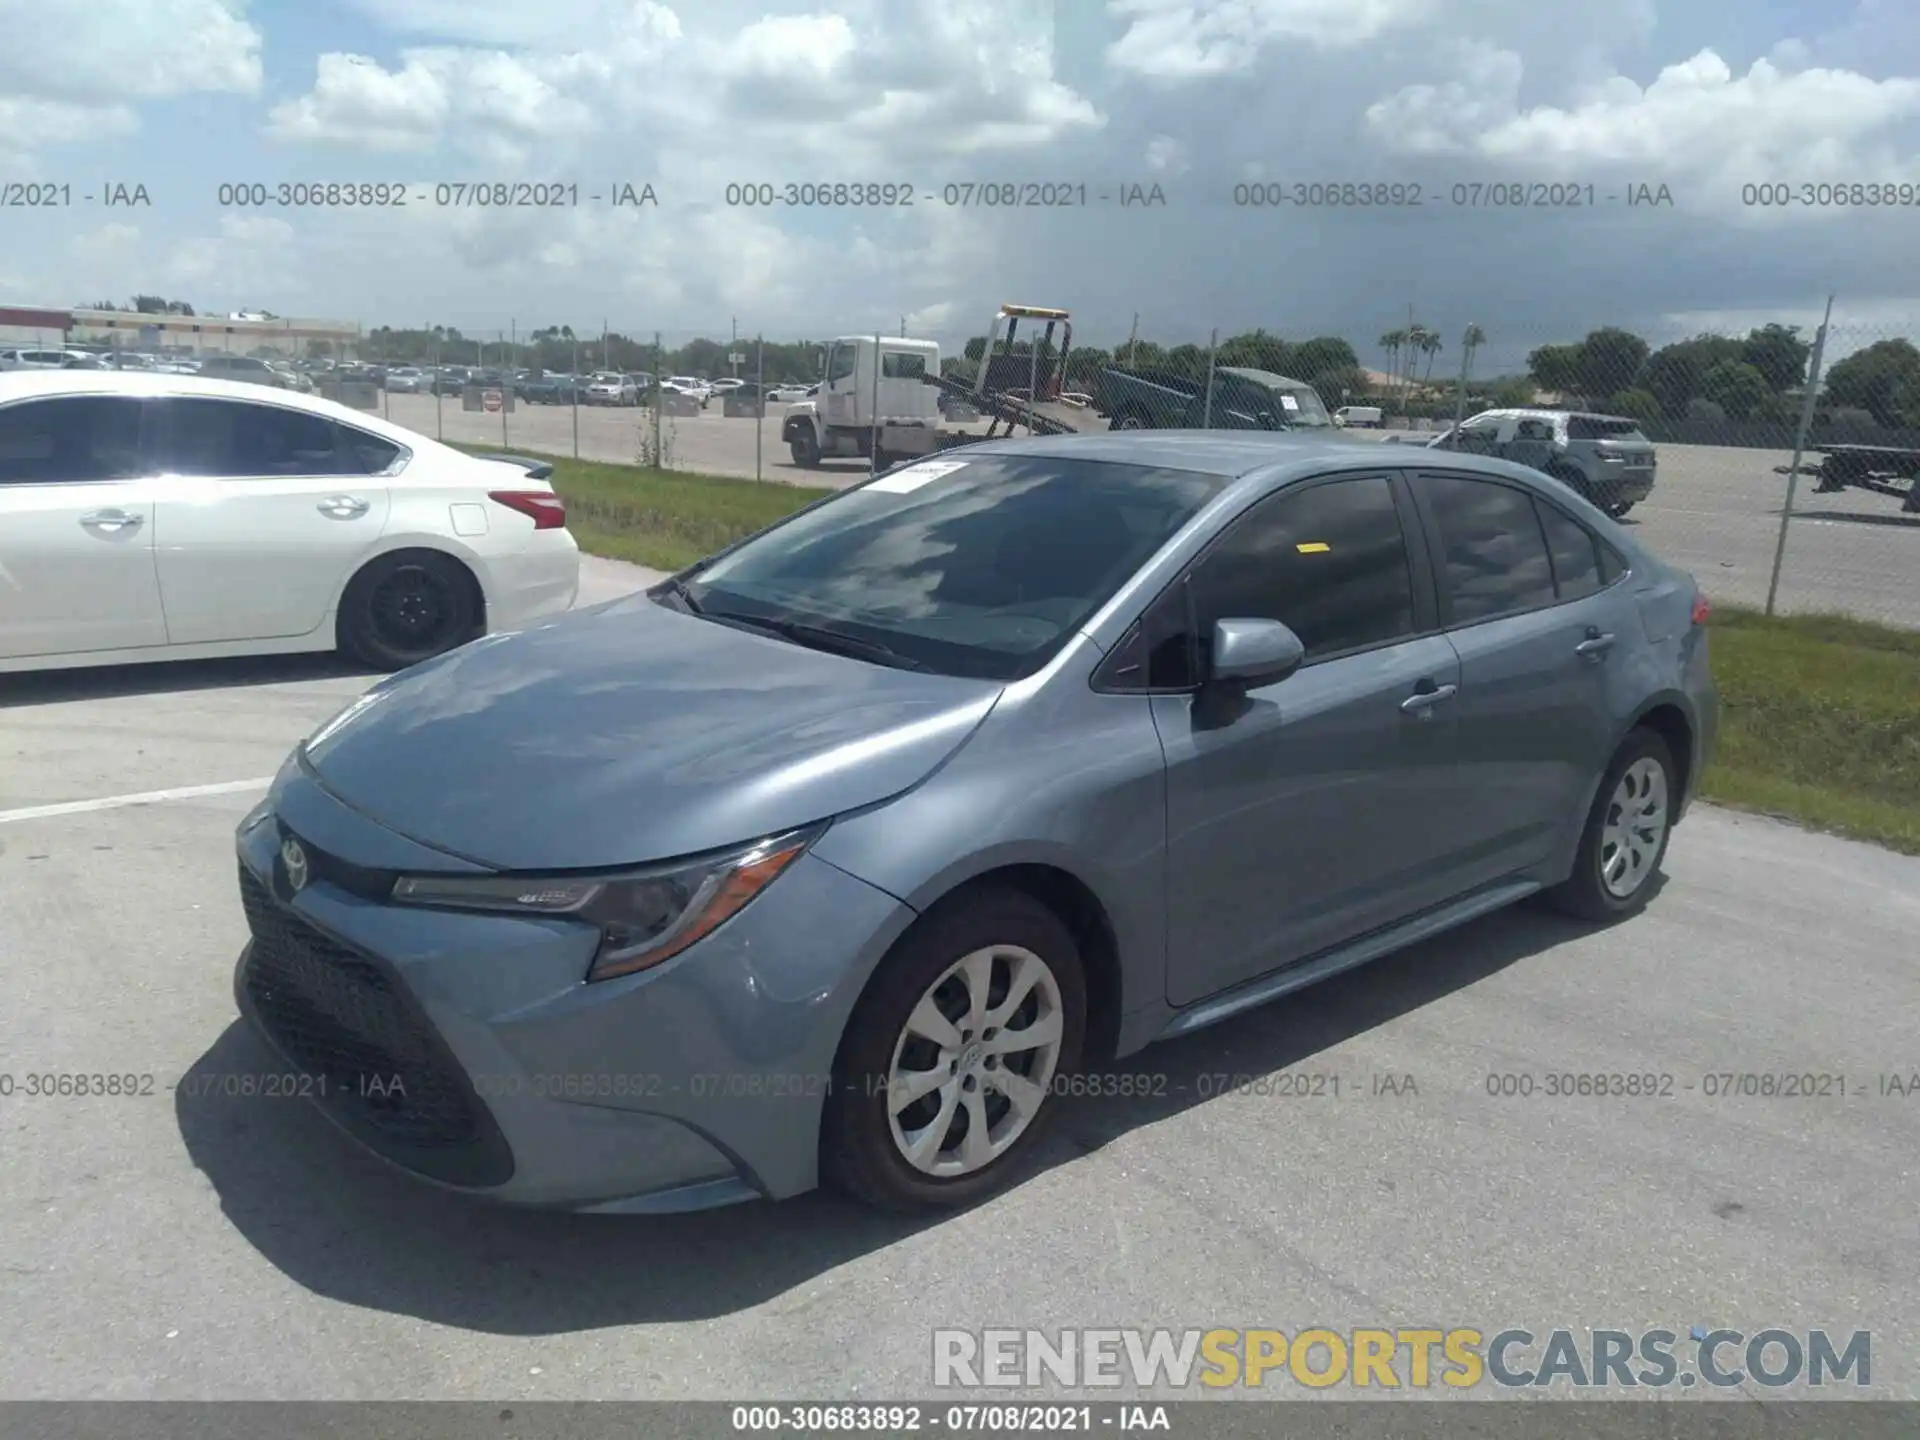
x=1704, y=97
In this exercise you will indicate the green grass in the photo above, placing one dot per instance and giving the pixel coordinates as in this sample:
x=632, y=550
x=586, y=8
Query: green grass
x=664, y=519
x=1820, y=723
x=1820, y=715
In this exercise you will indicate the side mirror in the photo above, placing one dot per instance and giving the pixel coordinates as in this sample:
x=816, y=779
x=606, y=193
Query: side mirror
x=1247, y=653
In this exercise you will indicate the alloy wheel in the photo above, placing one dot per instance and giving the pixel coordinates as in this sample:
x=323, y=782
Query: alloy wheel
x=975, y=1061
x=410, y=607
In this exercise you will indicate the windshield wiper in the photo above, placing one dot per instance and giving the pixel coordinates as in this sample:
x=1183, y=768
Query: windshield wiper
x=819, y=637
x=677, y=589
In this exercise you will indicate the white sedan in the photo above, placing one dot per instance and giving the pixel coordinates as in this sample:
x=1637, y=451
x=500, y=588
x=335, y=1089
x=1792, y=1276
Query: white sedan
x=164, y=517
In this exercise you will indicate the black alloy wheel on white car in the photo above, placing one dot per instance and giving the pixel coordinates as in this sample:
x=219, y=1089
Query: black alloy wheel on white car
x=407, y=607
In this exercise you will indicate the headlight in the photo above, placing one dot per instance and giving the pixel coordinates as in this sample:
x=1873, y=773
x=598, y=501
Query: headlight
x=644, y=916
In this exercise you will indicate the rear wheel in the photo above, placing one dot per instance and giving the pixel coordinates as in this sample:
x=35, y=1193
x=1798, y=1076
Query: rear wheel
x=1127, y=420
x=405, y=608
x=947, y=1074
x=1626, y=833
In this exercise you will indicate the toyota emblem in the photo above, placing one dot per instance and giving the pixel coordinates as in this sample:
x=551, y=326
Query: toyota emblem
x=295, y=860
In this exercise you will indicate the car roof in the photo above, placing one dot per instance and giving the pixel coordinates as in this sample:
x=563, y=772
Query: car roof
x=1262, y=377
x=149, y=384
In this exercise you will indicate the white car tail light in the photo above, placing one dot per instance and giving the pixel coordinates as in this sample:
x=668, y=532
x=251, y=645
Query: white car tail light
x=546, y=509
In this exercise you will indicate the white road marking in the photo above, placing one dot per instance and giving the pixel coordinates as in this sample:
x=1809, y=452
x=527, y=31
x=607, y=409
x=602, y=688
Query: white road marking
x=149, y=797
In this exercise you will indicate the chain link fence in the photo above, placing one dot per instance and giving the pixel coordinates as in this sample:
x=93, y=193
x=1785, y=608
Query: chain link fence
x=1717, y=422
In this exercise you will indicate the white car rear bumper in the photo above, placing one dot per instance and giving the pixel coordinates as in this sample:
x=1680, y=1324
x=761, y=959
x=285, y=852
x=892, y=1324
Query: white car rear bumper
x=540, y=581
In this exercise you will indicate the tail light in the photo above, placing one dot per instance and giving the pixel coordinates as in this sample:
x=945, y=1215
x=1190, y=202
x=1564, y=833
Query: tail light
x=1701, y=610
x=546, y=509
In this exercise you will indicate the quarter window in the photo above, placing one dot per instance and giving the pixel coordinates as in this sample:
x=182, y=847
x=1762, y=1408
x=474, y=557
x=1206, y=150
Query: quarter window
x=231, y=438
x=1494, y=556
x=70, y=438
x=1574, y=551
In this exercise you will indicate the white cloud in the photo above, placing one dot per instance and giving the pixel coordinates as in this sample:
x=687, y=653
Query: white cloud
x=1167, y=156
x=1697, y=119
x=1194, y=94
x=1188, y=39
x=29, y=125
x=72, y=74
x=127, y=49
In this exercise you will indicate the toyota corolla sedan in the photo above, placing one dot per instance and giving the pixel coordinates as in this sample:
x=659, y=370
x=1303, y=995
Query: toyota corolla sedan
x=146, y=516
x=834, y=857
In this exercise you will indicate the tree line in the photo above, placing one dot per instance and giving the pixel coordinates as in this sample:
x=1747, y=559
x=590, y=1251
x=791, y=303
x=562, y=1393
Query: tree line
x=1708, y=377
x=1711, y=377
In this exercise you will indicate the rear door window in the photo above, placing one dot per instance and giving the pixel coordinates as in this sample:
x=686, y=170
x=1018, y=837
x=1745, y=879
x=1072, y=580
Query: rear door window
x=233, y=439
x=1493, y=554
x=1598, y=427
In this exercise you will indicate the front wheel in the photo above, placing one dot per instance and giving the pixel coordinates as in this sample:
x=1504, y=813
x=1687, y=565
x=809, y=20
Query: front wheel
x=405, y=608
x=1626, y=833
x=1617, y=511
x=948, y=1070
x=805, y=450
x=1127, y=422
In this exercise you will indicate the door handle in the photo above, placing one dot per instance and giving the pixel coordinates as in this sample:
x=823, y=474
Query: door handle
x=112, y=522
x=343, y=507
x=1421, y=702
x=1595, y=645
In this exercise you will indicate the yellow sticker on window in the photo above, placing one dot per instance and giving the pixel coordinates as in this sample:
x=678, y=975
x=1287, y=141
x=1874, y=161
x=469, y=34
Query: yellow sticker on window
x=1313, y=547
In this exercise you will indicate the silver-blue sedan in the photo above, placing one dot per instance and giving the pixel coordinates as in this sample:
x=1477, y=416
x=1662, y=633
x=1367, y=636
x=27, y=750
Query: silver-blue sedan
x=837, y=856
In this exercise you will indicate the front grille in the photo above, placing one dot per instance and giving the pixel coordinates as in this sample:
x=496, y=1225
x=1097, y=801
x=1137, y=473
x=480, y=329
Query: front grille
x=345, y=1019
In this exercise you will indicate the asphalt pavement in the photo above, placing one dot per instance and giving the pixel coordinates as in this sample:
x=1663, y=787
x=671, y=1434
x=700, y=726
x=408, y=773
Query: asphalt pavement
x=156, y=1246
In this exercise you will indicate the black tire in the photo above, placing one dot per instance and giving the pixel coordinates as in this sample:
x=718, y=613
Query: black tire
x=1584, y=893
x=858, y=1154
x=805, y=449
x=407, y=607
x=1619, y=511
x=1127, y=420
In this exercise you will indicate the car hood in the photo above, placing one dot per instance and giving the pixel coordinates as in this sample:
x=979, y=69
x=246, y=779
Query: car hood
x=629, y=733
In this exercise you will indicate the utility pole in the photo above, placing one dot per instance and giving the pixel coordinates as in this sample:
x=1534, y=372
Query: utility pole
x=1807, y=403
x=733, y=348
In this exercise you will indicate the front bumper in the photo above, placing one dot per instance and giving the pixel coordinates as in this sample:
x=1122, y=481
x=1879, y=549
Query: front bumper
x=468, y=1049
x=1632, y=486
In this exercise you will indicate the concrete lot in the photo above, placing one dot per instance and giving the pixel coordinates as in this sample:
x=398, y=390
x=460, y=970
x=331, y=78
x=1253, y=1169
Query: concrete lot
x=1715, y=511
x=169, y=1247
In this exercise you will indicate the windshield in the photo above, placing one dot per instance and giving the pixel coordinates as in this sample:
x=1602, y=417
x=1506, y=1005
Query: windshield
x=978, y=568
x=1301, y=406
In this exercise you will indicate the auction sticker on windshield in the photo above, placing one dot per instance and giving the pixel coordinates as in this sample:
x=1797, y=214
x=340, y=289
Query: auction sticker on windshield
x=1287, y=402
x=912, y=477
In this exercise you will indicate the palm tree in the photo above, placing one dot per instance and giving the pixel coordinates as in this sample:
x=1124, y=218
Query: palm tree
x=1430, y=346
x=1391, y=342
x=1472, y=341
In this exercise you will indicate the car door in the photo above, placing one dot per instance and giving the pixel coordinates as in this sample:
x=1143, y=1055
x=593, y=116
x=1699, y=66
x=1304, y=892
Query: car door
x=1532, y=443
x=76, y=528
x=1319, y=808
x=263, y=511
x=1523, y=604
x=1478, y=436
